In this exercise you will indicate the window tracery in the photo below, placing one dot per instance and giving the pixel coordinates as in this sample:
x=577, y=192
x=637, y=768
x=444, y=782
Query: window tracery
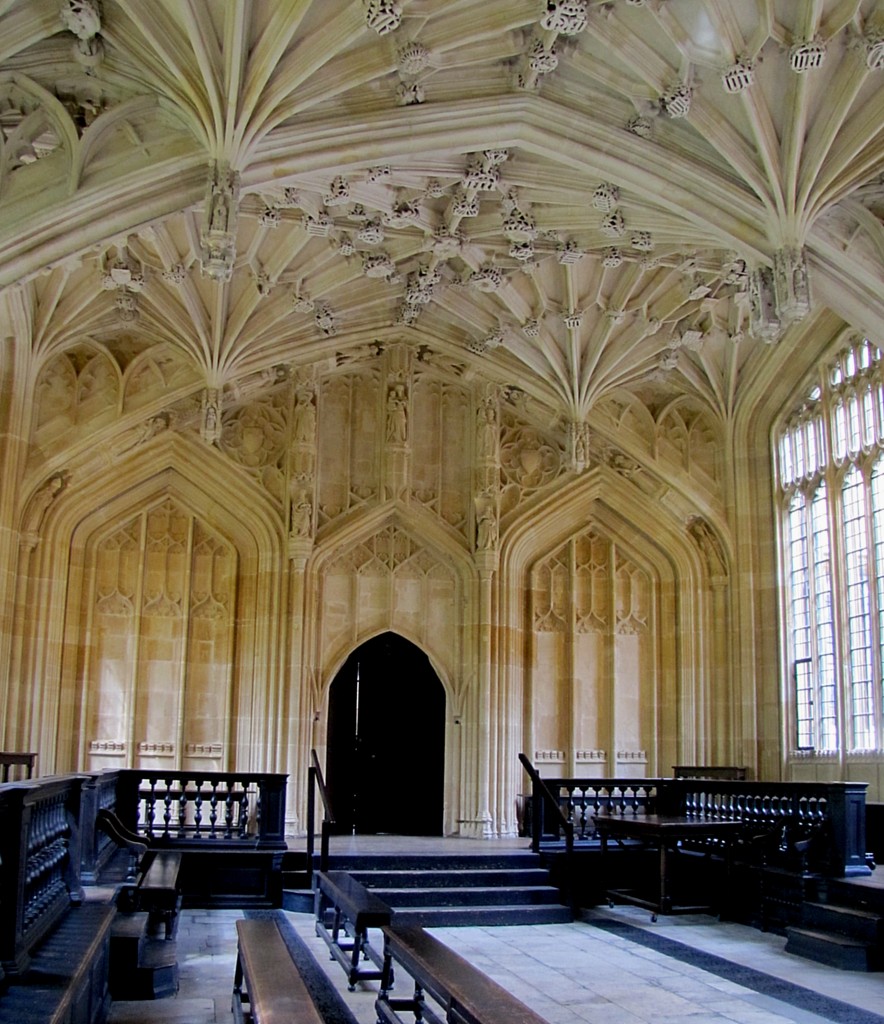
x=830, y=463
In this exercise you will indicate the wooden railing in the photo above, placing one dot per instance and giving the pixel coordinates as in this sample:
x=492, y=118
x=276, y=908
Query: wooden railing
x=827, y=819
x=237, y=808
x=99, y=794
x=39, y=862
x=316, y=783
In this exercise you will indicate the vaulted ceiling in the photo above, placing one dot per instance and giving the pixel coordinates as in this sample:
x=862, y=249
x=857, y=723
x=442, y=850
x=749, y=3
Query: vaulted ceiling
x=572, y=197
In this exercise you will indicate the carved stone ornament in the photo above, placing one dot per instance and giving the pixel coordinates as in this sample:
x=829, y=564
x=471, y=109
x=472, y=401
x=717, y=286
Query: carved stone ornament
x=445, y=243
x=413, y=59
x=210, y=429
x=465, y=205
x=572, y=320
x=606, y=197
x=38, y=506
x=612, y=257
x=302, y=303
x=567, y=16
x=378, y=265
x=543, y=60
x=487, y=278
x=175, y=275
x=382, y=16
x=270, y=217
x=875, y=53
x=218, y=242
x=677, y=102
x=403, y=213
x=614, y=225
x=480, y=176
x=643, y=241
x=739, y=76
x=763, y=320
x=319, y=226
x=569, y=252
x=531, y=328
x=371, y=233
x=640, y=126
x=807, y=56
x=82, y=17
x=325, y=321
x=522, y=251
x=519, y=226
x=791, y=287
x=409, y=94
x=338, y=193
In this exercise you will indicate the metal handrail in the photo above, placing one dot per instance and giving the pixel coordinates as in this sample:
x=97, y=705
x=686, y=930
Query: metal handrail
x=540, y=788
x=316, y=782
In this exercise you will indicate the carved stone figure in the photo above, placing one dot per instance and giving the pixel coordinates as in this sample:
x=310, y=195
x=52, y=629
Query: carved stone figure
x=38, y=506
x=397, y=415
x=488, y=431
x=304, y=427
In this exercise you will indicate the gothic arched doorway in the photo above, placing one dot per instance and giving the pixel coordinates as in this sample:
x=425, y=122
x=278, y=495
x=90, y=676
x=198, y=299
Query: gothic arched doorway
x=386, y=741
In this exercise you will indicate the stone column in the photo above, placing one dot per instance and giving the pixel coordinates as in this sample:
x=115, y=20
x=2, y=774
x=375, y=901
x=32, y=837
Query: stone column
x=16, y=391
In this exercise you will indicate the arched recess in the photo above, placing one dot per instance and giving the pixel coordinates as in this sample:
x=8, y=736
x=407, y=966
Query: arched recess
x=196, y=622
x=385, y=766
x=397, y=570
x=607, y=668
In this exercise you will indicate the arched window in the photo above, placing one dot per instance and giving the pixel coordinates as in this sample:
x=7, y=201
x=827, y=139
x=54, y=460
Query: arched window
x=831, y=474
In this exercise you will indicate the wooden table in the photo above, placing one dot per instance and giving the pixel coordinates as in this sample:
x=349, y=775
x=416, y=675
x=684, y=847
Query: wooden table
x=666, y=833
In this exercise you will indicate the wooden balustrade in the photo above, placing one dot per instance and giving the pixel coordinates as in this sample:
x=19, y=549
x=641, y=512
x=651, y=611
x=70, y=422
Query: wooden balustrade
x=40, y=856
x=826, y=818
x=236, y=808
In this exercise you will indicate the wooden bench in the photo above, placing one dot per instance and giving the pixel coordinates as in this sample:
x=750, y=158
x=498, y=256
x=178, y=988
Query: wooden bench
x=267, y=980
x=155, y=887
x=351, y=910
x=464, y=994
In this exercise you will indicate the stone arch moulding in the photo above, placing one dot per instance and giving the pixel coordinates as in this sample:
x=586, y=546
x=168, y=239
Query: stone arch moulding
x=201, y=482
x=397, y=570
x=678, y=680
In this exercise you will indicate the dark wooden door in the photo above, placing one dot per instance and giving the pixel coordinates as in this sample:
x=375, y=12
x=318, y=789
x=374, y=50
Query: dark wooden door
x=386, y=741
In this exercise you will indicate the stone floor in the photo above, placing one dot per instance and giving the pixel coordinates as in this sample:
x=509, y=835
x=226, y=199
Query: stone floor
x=568, y=973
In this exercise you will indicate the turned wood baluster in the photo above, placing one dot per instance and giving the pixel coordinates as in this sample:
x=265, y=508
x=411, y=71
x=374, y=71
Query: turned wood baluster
x=213, y=812
x=151, y=814
x=167, y=804
x=198, y=808
x=244, y=812
x=182, y=811
x=228, y=812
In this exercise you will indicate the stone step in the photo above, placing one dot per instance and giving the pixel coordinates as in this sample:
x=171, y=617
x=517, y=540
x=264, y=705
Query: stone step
x=467, y=896
x=518, y=859
x=487, y=916
x=450, y=877
x=851, y=921
x=835, y=950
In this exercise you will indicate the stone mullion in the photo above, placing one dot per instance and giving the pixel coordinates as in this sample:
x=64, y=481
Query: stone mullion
x=186, y=612
x=609, y=638
x=132, y=688
x=571, y=698
x=298, y=710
